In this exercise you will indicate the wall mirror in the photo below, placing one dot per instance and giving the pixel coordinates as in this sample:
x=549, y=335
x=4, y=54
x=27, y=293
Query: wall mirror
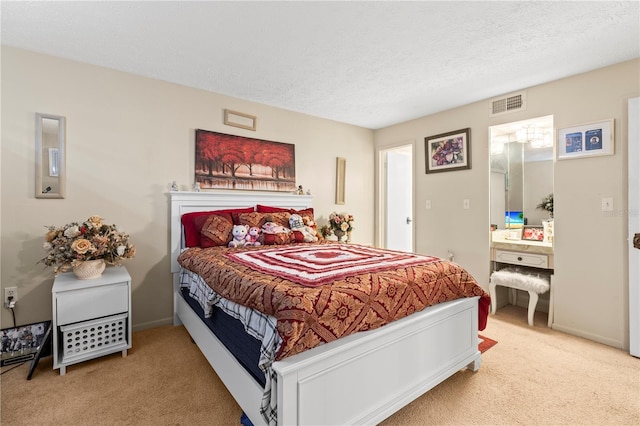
x=50, y=156
x=521, y=172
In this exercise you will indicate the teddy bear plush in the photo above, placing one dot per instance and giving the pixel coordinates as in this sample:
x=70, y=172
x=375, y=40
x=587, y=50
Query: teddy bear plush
x=239, y=233
x=296, y=224
x=309, y=222
x=253, y=236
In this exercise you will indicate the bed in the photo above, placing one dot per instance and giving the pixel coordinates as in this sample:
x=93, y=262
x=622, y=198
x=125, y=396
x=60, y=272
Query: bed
x=361, y=378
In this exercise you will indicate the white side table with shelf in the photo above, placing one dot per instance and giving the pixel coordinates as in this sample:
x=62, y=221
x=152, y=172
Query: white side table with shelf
x=91, y=318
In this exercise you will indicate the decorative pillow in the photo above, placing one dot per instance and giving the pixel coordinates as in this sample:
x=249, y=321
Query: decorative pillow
x=278, y=239
x=270, y=209
x=215, y=229
x=304, y=212
x=192, y=233
x=297, y=237
x=281, y=218
x=253, y=219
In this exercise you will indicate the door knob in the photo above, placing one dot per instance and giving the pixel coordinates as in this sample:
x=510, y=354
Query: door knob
x=408, y=220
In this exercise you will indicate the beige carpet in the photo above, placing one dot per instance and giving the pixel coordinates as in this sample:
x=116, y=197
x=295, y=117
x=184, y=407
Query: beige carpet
x=533, y=376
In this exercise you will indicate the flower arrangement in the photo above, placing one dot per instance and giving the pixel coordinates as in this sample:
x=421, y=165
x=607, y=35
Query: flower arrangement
x=90, y=240
x=338, y=224
x=547, y=204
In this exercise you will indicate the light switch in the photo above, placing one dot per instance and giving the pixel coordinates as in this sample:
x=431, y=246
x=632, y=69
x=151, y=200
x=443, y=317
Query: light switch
x=466, y=204
x=427, y=204
x=607, y=204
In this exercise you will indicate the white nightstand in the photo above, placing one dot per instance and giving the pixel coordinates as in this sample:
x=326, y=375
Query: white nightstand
x=91, y=318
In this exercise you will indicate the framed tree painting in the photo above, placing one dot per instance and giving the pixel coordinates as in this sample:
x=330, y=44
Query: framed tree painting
x=236, y=162
x=448, y=151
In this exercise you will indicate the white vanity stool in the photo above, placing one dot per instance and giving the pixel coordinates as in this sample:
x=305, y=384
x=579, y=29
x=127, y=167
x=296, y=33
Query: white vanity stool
x=513, y=278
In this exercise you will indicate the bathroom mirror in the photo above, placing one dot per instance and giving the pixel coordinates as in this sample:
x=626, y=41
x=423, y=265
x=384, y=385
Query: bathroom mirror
x=50, y=156
x=521, y=172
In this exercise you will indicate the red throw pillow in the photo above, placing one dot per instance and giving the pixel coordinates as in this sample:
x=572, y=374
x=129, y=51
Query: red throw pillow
x=269, y=209
x=298, y=237
x=192, y=233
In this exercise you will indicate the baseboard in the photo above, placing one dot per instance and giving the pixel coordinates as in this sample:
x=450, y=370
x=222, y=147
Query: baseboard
x=589, y=336
x=152, y=324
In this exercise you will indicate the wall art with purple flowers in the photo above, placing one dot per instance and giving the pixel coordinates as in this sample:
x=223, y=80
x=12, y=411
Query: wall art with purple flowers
x=448, y=151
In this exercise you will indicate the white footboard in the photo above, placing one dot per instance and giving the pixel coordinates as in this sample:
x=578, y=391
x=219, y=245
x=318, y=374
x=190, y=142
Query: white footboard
x=364, y=378
x=359, y=379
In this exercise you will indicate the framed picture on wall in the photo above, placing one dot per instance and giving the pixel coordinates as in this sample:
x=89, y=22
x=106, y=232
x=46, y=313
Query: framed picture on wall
x=448, y=151
x=586, y=140
x=236, y=162
x=239, y=119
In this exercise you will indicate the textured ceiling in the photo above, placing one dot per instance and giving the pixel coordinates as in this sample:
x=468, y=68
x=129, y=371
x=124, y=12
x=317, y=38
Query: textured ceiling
x=372, y=64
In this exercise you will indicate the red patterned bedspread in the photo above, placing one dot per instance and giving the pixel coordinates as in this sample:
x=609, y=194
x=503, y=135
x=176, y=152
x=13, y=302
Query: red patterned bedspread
x=309, y=316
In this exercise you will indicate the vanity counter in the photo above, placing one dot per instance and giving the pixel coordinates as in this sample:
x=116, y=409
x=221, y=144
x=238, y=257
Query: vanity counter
x=537, y=254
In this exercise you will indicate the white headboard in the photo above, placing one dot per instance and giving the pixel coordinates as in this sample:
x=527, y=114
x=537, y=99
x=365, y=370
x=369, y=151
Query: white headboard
x=187, y=202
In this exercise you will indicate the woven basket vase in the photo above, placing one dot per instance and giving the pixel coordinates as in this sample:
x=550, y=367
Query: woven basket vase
x=89, y=269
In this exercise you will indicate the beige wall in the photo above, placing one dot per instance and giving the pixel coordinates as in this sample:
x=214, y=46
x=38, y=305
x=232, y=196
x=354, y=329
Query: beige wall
x=128, y=137
x=591, y=275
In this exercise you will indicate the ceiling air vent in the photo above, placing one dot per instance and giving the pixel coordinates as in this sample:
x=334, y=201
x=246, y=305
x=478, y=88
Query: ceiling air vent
x=507, y=104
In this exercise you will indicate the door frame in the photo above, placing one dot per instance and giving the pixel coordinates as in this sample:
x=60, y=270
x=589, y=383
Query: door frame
x=381, y=193
x=633, y=137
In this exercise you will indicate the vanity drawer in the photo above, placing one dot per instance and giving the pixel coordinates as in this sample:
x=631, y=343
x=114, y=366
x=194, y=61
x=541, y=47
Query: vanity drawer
x=89, y=303
x=535, y=260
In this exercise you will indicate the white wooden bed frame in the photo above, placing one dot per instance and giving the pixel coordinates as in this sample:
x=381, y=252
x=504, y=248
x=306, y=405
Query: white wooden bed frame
x=358, y=379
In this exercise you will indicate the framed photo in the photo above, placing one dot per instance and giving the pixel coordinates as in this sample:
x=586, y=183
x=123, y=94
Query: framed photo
x=25, y=343
x=533, y=233
x=238, y=119
x=448, y=151
x=586, y=140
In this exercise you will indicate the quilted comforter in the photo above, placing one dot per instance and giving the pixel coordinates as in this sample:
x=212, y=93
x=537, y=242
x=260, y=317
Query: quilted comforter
x=313, y=306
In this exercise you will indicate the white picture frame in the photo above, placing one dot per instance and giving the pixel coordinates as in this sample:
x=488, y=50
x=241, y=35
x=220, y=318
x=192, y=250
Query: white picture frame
x=586, y=140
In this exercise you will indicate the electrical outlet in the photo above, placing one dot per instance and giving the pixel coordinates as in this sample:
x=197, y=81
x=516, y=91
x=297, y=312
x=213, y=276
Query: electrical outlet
x=466, y=204
x=10, y=293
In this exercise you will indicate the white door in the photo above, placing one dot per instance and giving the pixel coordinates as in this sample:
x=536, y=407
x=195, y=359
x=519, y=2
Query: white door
x=634, y=226
x=398, y=223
